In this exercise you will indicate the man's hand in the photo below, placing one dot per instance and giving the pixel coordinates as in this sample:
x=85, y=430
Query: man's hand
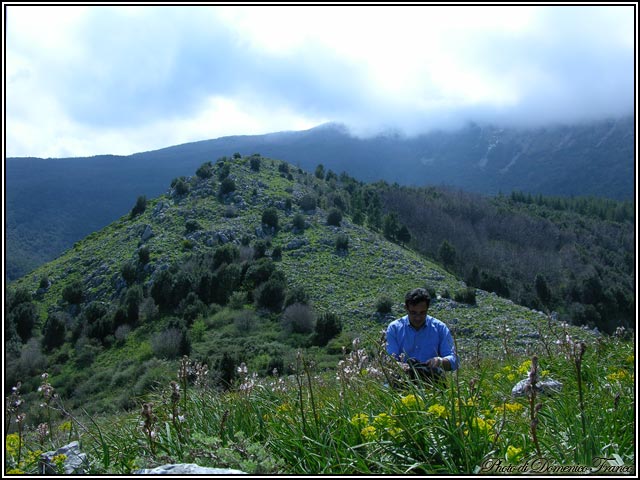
x=435, y=362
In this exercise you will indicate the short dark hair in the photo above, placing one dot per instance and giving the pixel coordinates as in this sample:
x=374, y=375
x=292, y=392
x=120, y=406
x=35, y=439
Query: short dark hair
x=416, y=296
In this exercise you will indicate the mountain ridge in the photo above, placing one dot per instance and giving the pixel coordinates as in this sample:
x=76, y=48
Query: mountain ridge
x=89, y=192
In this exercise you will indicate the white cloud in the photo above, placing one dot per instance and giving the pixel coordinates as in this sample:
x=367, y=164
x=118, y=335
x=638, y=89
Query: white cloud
x=120, y=79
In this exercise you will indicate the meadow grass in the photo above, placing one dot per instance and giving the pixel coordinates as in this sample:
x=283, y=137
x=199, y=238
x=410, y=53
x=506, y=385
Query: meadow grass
x=363, y=417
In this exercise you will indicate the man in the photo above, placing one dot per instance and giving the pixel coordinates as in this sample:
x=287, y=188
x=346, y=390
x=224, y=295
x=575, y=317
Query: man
x=420, y=340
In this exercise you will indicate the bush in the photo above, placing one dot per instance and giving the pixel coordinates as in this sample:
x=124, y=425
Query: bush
x=73, y=293
x=270, y=218
x=308, y=203
x=468, y=295
x=255, y=163
x=384, y=305
x=167, y=344
x=181, y=187
x=227, y=186
x=298, y=222
x=144, y=255
x=24, y=317
x=342, y=243
x=327, y=326
x=334, y=218
x=271, y=295
x=205, y=170
x=53, y=331
x=298, y=318
x=192, y=225
x=139, y=207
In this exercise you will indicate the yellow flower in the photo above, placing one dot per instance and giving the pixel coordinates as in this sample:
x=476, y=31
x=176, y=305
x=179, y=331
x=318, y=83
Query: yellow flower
x=630, y=359
x=524, y=368
x=383, y=421
x=482, y=425
x=65, y=426
x=284, y=408
x=497, y=376
x=513, y=454
x=513, y=407
x=410, y=401
x=369, y=433
x=395, y=432
x=438, y=410
x=617, y=376
x=12, y=441
x=511, y=377
x=506, y=369
x=360, y=420
x=15, y=471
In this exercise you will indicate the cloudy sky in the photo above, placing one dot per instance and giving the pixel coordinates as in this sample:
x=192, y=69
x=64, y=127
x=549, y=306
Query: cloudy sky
x=123, y=79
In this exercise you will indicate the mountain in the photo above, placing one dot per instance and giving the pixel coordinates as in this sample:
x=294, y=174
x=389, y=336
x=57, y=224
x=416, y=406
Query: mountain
x=51, y=203
x=208, y=268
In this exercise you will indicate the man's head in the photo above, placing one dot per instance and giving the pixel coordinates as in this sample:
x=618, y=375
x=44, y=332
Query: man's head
x=417, y=303
x=415, y=296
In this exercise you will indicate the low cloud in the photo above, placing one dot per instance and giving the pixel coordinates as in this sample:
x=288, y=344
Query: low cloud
x=126, y=79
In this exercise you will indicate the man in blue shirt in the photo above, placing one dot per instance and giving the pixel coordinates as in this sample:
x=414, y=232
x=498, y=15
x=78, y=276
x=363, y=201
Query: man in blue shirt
x=420, y=340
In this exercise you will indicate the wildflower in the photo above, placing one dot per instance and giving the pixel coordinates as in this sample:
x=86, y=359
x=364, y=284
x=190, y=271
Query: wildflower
x=410, y=401
x=618, y=376
x=15, y=471
x=12, y=442
x=383, y=420
x=524, y=368
x=513, y=454
x=360, y=420
x=65, y=426
x=438, y=410
x=513, y=407
x=369, y=433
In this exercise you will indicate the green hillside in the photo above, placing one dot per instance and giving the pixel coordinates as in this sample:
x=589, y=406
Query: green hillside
x=249, y=261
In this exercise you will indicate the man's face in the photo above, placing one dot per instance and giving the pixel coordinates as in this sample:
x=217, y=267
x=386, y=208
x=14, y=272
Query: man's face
x=417, y=313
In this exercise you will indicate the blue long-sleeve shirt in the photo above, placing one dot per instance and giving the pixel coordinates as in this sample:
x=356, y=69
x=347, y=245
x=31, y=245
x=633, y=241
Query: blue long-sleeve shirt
x=433, y=339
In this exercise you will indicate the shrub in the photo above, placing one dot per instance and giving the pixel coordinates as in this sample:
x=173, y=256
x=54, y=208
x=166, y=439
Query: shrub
x=181, y=187
x=167, y=344
x=205, y=170
x=384, y=305
x=53, y=331
x=255, y=163
x=468, y=295
x=334, y=218
x=328, y=325
x=308, y=203
x=297, y=295
x=298, y=222
x=192, y=225
x=73, y=293
x=144, y=255
x=227, y=186
x=270, y=218
x=271, y=294
x=277, y=253
x=298, y=318
x=24, y=317
x=342, y=243
x=139, y=207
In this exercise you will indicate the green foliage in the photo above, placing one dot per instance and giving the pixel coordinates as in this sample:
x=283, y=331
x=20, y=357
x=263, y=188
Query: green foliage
x=73, y=293
x=139, y=207
x=468, y=296
x=328, y=325
x=447, y=253
x=342, y=243
x=255, y=163
x=270, y=218
x=384, y=304
x=334, y=218
x=205, y=170
x=227, y=186
x=320, y=173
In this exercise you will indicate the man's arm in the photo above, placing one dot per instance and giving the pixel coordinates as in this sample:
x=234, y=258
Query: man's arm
x=393, y=347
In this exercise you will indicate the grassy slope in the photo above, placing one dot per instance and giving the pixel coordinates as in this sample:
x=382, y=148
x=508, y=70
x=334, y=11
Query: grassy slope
x=348, y=284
